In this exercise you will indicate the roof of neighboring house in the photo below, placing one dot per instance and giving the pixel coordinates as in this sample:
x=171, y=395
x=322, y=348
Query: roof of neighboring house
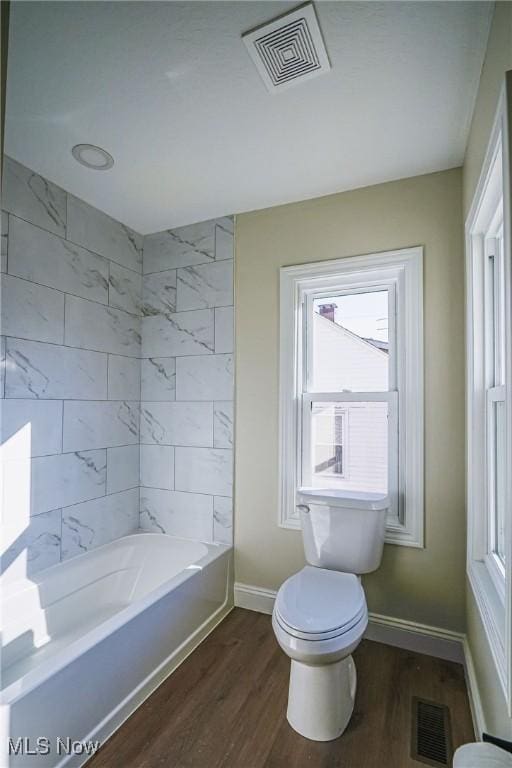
x=382, y=346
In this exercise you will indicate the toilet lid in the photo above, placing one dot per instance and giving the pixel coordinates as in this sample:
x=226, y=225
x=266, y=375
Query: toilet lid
x=316, y=603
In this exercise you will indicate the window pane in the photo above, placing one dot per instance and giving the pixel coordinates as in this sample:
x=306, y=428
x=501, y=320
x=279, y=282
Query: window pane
x=499, y=313
x=350, y=338
x=349, y=446
x=500, y=480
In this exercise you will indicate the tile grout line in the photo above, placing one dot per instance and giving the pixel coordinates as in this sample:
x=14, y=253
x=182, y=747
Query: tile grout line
x=66, y=222
x=142, y=298
x=78, y=349
x=62, y=423
x=66, y=239
x=7, y=252
x=85, y=501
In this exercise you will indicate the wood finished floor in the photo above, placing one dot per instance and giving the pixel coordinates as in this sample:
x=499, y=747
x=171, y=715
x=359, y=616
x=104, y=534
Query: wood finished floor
x=225, y=708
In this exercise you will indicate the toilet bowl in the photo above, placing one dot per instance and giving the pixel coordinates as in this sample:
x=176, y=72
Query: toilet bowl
x=319, y=618
x=320, y=613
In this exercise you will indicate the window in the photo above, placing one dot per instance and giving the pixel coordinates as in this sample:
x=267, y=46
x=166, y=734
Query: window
x=494, y=352
x=351, y=384
x=346, y=418
x=489, y=410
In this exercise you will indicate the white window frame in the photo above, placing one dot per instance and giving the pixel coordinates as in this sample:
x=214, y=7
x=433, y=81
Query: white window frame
x=403, y=271
x=491, y=584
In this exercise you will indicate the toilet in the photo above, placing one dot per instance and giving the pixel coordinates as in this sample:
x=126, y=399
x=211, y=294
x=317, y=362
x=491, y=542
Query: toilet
x=320, y=613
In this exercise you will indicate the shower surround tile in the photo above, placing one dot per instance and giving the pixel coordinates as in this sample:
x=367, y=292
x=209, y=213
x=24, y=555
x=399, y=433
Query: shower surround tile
x=158, y=378
x=182, y=333
x=181, y=247
x=4, y=241
x=159, y=293
x=157, y=466
x=224, y=330
x=33, y=486
x=28, y=549
x=204, y=470
x=72, y=300
x=223, y=520
x=125, y=289
x=123, y=468
x=94, y=230
x=89, y=424
x=2, y=366
x=89, y=525
x=123, y=378
x=30, y=428
x=49, y=260
x=74, y=380
x=31, y=311
x=224, y=238
x=186, y=385
x=202, y=287
x=179, y=514
x=34, y=369
x=176, y=423
x=33, y=198
x=205, y=378
x=223, y=425
x=101, y=328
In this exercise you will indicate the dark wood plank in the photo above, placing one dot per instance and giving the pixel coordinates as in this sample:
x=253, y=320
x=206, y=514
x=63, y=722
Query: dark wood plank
x=225, y=707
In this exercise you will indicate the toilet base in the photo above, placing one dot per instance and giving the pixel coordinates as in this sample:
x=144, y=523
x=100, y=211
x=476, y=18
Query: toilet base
x=321, y=698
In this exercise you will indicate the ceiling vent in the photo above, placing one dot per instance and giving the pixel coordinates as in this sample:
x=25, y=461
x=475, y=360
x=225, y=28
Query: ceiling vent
x=288, y=50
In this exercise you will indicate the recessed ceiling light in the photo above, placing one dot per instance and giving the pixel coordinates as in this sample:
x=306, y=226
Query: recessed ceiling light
x=92, y=157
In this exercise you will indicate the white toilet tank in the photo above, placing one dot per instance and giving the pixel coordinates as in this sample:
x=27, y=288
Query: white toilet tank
x=343, y=530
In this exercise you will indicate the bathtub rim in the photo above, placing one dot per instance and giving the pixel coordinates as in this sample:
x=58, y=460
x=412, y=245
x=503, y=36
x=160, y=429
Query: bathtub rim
x=35, y=677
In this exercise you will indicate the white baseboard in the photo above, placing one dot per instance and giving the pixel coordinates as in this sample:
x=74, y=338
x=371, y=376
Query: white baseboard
x=409, y=635
x=413, y=636
x=254, y=598
x=477, y=710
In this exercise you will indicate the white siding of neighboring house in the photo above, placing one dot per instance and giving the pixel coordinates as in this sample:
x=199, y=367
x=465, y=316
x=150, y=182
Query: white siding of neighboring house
x=344, y=362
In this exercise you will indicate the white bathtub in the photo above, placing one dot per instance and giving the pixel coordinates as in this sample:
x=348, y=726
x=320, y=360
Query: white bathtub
x=86, y=642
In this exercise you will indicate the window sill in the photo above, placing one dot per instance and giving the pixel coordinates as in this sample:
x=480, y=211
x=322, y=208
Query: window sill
x=490, y=608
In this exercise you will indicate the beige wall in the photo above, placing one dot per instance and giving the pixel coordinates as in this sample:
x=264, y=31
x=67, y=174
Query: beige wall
x=498, y=60
x=421, y=585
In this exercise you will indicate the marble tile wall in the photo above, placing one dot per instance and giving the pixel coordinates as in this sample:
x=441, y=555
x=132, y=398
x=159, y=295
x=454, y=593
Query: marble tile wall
x=187, y=380
x=71, y=381
x=116, y=377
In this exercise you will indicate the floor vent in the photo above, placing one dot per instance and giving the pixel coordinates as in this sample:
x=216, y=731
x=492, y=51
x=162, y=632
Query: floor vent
x=289, y=49
x=431, y=733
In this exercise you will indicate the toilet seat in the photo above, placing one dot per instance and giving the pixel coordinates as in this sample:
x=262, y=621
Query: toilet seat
x=317, y=604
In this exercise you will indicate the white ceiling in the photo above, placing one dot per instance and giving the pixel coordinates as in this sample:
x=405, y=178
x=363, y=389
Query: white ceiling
x=169, y=90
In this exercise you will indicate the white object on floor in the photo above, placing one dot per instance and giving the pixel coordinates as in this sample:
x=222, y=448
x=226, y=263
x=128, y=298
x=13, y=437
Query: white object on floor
x=320, y=613
x=481, y=755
